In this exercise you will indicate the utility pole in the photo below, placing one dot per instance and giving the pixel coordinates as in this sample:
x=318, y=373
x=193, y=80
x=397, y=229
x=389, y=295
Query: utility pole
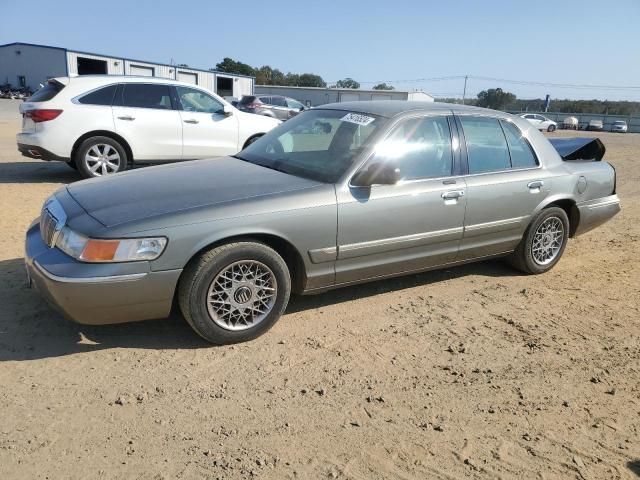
x=464, y=92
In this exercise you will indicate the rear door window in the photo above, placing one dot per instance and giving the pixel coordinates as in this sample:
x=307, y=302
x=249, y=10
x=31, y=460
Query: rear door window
x=487, y=149
x=266, y=100
x=144, y=95
x=278, y=101
x=50, y=90
x=522, y=155
x=102, y=96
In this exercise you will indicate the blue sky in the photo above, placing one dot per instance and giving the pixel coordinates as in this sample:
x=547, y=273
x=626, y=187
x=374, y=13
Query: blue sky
x=585, y=42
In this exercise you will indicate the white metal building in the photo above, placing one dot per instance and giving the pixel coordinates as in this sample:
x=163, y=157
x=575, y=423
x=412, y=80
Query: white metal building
x=320, y=96
x=28, y=65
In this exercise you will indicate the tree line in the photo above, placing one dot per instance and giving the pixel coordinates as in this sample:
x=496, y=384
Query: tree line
x=266, y=75
x=498, y=99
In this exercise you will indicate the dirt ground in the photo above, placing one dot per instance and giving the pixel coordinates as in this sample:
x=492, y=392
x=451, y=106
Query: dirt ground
x=472, y=372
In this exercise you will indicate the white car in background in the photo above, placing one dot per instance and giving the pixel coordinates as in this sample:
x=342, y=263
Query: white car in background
x=102, y=124
x=619, y=126
x=540, y=122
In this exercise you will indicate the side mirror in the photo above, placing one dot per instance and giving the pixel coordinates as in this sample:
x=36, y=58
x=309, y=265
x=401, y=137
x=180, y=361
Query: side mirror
x=377, y=173
x=302, y=108
x=227, y=110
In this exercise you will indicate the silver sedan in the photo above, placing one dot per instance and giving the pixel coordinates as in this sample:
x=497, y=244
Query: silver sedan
x=341, y=194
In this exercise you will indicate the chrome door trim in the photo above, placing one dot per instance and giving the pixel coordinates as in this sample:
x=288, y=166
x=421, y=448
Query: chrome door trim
x=382, y=245
x=321, y=255
x=491, y=227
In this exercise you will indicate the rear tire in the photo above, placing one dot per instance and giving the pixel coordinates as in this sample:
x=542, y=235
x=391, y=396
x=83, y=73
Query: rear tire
x=234, y=292
x=543, y=242
x=100, y=156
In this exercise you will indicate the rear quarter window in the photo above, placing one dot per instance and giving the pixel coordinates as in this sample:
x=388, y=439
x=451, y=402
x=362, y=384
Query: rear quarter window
x=102, y=96
x=522, y=155
x=46, y=93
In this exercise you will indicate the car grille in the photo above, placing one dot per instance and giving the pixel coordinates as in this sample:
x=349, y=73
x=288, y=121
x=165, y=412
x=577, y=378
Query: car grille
x=48, y=227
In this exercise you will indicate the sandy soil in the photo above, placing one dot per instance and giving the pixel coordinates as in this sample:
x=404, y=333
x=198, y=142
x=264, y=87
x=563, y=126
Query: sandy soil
x=472, y=372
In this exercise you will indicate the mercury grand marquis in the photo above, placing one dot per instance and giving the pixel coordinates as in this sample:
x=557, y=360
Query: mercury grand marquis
x=340, y=194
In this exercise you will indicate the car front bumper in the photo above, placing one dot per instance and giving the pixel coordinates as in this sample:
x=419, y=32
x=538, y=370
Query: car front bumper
x=94, y=295
x=594, y=213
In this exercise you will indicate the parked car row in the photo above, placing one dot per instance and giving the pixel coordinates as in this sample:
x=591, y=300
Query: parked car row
x=100, y=125
x=12, y=93
x=341, y=194
x=274, y=106
x=543, y=123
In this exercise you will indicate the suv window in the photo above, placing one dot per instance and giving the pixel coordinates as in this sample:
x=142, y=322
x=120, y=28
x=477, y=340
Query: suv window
x=522, y=155
x=266, y=100
x=420, y=147
x=146, y=95
x=102, y=96
x=50, y=90
x=278, y=101
x=487, y=149
x=193, y=100
x=291, y=103
x=246, y=100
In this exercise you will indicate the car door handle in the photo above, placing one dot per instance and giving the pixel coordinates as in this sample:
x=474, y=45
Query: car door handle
x=536, y=184
x=453, y=194
x=126, y=117
x=191, y=120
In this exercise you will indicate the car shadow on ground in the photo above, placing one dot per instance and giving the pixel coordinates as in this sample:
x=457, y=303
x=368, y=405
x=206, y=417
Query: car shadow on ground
x=37, y=172
x=634, y=466
x=31, y=329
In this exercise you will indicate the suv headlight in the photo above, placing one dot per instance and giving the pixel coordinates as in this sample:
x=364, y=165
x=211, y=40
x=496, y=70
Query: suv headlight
x=88, y=249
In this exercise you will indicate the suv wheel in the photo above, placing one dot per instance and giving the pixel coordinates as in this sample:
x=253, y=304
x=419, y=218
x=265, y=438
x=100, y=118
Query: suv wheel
x=100, y=156
x=235, y=292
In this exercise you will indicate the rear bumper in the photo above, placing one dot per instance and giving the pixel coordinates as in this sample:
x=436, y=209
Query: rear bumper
x=90, y=294
x=594, y=213
x=39, y=153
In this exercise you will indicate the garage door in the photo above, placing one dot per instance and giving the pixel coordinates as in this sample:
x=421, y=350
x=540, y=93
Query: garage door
x=378, y=96
x=142, y=71
x=349, y=97
x=188, y=77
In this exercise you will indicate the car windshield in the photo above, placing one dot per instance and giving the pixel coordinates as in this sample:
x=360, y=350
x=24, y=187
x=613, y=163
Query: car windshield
x=317, y=144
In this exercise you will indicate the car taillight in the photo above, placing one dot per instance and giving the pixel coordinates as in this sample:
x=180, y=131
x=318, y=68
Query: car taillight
x=42, y=115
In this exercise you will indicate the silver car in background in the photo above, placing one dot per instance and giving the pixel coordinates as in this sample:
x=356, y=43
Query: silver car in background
x=341, y=194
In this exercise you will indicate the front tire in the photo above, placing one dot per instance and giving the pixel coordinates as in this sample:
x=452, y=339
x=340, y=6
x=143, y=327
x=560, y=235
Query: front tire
x=551, y=128
x=99, y=157
x=543, y=243
x=234, y=292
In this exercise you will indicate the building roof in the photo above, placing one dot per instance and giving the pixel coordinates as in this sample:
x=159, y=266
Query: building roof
x=117, y=57
x=391, y=108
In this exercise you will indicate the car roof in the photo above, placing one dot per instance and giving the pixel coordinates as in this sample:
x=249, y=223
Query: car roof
x=96, y=80
x=391, y=108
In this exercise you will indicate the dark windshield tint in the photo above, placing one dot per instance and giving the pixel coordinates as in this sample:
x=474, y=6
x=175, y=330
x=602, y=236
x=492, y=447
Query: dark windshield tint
x=102, y=96
x=317, y=144
x=50, y=90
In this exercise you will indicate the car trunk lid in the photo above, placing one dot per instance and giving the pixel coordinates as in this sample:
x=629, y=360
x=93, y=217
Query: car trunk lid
x=579, y=148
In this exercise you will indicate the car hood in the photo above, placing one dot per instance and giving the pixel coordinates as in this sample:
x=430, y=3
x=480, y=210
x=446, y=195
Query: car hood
x=154, y=191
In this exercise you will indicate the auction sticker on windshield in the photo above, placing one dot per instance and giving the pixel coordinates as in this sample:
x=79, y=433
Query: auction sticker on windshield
x=357, y=118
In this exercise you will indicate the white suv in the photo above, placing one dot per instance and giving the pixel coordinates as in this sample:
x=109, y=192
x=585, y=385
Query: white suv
x=101, y=124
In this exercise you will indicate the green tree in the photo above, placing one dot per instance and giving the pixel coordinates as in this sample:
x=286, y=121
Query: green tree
x=495, y=98
x=311, y=80
x=347, y=83
x=383, y=86
x=229, y=65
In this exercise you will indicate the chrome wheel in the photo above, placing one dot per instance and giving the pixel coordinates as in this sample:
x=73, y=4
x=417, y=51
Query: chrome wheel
x=547, y=241
x=102, y=159
x=242, y=295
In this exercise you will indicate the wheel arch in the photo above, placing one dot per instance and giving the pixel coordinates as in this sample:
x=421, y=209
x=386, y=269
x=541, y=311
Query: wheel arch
x=103, y=133
x=569, y=207
x=289, y=253
x=255, y=135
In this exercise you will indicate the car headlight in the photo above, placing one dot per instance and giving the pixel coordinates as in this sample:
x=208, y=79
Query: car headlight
x=87, y=249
